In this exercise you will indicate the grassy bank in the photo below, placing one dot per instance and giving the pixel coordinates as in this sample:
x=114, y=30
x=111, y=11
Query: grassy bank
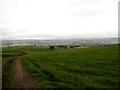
x=8, y=57
x=92, y=67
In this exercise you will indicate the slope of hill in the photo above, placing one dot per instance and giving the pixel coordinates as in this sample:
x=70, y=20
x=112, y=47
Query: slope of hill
x=90, y=67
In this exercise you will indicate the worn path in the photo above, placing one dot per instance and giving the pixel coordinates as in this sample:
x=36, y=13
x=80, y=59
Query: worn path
x=21, y=78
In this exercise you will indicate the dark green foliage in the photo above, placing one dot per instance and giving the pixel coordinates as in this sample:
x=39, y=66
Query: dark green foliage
x=7, y=55
x=52, y=47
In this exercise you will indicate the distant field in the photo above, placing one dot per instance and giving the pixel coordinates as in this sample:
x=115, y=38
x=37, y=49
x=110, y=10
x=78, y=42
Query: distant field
x=91, y=67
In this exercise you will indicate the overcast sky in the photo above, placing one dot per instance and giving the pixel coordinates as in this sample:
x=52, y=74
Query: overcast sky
x=55, y=19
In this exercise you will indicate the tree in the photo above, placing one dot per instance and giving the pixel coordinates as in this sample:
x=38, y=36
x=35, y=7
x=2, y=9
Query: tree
x=52, y=47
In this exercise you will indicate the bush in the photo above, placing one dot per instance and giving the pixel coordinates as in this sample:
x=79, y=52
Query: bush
x=52, y=47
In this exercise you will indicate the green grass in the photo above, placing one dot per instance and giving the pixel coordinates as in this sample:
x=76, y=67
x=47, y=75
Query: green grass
x=8, y=65
x=91, y=67
x=7, y=74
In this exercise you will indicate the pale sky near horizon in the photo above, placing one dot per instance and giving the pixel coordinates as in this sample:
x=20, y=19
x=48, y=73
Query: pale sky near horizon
x=58, y=19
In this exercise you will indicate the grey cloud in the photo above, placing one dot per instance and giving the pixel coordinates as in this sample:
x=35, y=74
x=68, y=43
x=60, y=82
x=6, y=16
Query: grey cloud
x=93, y=7
x=10, y=34
x=45, y=36
x=89, y=13
x=6, y=32
x=84, y=2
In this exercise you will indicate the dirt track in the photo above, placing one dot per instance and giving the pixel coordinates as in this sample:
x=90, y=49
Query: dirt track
x=21, y=78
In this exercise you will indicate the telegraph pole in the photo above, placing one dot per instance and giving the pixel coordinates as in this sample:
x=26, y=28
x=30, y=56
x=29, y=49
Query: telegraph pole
x=8, y=48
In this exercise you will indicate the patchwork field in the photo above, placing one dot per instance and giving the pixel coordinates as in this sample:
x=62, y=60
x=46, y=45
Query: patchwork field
x=90, y=67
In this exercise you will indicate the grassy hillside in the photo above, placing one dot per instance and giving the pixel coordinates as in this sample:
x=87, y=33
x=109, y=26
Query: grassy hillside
x=80, y=67
x=91, y=67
